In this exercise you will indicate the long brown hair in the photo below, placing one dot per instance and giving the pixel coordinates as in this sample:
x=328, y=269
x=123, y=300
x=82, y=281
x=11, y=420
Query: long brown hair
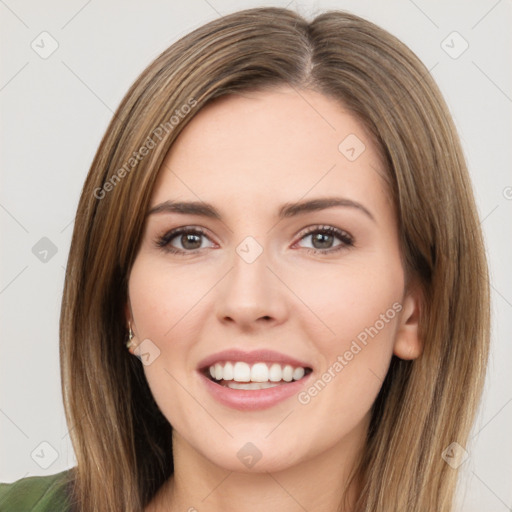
x=121, y=439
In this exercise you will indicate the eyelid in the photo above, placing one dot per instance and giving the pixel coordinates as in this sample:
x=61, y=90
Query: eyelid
x=323, y=227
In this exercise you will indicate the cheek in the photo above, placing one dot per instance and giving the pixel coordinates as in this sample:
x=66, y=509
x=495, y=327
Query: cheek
x=359, y=310
x=345, y=301
x=163, y=300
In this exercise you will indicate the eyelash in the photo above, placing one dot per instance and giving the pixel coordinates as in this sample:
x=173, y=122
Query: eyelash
x=345, y=238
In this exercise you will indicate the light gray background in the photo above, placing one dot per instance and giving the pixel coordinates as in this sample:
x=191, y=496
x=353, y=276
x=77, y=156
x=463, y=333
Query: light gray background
x=55, y=111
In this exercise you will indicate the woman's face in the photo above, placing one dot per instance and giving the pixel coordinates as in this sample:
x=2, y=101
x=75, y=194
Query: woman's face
x=264, y=280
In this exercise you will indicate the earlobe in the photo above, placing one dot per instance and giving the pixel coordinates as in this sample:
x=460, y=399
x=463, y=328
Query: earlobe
x=407, y=341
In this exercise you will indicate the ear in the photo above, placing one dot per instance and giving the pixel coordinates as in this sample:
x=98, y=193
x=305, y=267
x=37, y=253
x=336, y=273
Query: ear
x=407, y=341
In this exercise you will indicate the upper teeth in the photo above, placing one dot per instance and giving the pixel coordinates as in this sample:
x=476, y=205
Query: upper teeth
x=258, y=372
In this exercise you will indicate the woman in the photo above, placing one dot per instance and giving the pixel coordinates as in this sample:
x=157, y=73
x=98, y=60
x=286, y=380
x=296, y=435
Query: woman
x=280, y=226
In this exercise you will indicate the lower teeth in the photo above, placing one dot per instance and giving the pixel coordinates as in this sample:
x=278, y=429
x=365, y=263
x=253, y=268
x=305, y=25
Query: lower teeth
x=248, y=385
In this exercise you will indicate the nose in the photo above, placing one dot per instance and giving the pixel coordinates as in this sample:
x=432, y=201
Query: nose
x=251, y=294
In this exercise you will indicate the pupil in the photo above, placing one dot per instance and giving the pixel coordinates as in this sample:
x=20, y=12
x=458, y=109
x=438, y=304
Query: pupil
x=193, y=239
x=322, y=238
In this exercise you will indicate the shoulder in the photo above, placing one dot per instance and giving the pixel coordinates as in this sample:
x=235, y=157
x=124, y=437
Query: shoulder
x=37, y=493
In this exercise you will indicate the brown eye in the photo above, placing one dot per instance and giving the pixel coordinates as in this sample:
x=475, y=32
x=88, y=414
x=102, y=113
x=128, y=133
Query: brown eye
x=190, y=241
x=182, y=240
x=323, y=239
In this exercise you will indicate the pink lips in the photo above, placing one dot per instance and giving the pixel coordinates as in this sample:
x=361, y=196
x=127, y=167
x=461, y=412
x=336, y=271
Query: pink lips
x=256, y=356
x=247, y=400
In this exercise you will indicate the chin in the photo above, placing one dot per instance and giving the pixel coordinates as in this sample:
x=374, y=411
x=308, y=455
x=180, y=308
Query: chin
x=259, y=456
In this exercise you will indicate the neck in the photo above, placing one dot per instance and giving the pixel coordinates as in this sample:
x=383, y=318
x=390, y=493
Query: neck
x=319, y=483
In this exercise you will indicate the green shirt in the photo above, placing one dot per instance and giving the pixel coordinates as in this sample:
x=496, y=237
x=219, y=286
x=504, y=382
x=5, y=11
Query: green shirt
x=36, y=494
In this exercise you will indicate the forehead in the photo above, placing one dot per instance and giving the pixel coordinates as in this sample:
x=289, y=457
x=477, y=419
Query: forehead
x=279, y=145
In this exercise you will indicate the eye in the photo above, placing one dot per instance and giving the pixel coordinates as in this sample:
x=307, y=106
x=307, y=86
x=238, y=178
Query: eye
x=323, y=239
x=188, y=239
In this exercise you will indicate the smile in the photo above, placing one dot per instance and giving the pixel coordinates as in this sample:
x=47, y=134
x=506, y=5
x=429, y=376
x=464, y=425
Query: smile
x=253, y=380
x=261, y=375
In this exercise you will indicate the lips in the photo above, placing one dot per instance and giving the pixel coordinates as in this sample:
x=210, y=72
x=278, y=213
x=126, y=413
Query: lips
x=254, y=356
x=252, y=380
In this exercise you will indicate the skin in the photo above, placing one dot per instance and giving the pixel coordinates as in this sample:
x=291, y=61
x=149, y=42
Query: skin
x=248, y=155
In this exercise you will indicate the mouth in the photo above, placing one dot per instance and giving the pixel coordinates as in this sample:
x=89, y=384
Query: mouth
x=256, y=380
x=255, y=376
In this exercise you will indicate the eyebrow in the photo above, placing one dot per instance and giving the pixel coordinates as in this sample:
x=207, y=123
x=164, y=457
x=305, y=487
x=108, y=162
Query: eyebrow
x=287, y=210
